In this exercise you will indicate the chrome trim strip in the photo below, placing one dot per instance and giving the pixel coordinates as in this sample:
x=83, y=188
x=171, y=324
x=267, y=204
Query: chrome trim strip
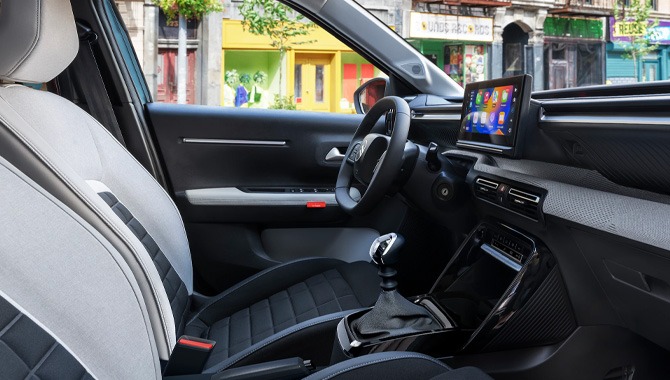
x=496, y=254
x=487, y=183
x=437, y=117
x=625, y=120
x=523, y=195
x=478, y=147
x=188, y=140
x=232, y=196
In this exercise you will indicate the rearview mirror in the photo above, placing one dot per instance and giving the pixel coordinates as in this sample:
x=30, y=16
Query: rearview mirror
x=369, y=93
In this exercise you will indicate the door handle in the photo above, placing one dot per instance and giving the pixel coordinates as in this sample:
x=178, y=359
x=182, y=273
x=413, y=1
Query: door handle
x=334, y=155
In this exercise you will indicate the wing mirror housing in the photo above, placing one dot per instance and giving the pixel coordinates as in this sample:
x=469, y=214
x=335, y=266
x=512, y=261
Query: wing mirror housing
x=369, y=93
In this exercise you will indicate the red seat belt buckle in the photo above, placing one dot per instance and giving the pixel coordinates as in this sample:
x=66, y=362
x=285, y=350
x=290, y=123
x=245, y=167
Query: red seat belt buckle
x=316, y=204
x=200, y=343
x=189, y=356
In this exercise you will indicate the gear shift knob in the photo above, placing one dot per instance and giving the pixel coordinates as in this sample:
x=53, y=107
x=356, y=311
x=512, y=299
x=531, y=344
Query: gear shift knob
x=385, y=252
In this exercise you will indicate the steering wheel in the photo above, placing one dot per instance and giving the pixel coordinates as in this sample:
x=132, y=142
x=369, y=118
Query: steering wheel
x=372, y=158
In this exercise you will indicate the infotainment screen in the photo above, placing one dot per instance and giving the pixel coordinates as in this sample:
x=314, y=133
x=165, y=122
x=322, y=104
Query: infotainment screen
x=491, y=114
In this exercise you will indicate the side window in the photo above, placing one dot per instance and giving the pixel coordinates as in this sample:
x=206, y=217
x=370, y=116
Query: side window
x=229, y=66
x=126, y=48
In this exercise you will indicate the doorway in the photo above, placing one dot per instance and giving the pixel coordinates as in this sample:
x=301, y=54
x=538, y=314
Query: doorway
x=312, y=82
x=650, y=72
x=515, y=40
x=166, y=72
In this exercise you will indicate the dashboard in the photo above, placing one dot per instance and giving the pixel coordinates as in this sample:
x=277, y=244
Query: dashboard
x=584, y=170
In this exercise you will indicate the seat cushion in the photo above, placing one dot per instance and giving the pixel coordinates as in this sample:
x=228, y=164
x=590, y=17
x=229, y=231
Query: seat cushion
x=279, y=298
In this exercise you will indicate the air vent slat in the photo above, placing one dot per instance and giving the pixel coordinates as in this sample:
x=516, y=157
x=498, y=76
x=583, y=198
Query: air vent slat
x=486, y=189
x=523, y=202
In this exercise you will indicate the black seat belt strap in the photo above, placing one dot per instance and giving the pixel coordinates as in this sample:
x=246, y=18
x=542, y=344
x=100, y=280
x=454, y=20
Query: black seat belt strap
x=87, y=74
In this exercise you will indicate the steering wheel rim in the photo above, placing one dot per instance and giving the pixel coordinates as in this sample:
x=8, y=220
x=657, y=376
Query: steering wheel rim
x=387, y=166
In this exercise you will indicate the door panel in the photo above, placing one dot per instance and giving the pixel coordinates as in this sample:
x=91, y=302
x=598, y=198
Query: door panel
x=242, y=179
x=217, y=147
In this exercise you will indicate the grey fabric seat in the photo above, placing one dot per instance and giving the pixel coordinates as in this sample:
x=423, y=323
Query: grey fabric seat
x=70, y=307
x=75, y=159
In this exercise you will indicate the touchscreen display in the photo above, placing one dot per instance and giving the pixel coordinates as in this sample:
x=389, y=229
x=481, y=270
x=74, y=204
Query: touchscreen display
x=491, y=110
x=491, y=113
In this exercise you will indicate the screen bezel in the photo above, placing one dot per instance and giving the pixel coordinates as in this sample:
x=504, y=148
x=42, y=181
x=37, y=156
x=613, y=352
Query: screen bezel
x=495, y=143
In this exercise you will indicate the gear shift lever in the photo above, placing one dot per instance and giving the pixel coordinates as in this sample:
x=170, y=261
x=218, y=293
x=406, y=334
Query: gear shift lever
x=393, y=314
x=384, y=252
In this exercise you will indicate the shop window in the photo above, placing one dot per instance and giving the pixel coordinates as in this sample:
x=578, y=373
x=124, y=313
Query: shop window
x=349, y=81
x=465, y=63
x=367, y=72
x=453, y=58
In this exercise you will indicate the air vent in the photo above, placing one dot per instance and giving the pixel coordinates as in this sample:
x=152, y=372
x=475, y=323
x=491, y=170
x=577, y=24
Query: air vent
x=523, y=202
x=486, y=189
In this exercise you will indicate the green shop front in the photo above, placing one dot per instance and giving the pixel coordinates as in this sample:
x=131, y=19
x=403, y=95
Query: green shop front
x=652, y=66
x=574, y=52
x=460, y=45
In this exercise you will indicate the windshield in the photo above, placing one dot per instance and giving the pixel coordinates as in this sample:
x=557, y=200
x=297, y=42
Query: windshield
x=562, y=44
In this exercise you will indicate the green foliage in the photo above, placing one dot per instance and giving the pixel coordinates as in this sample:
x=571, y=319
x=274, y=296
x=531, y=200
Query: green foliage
x=190, y=9
x=637, y=13
x=283, y=103
x=275, y=20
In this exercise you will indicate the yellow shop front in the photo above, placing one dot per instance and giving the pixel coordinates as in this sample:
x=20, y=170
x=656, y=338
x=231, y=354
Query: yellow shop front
x=319, y=74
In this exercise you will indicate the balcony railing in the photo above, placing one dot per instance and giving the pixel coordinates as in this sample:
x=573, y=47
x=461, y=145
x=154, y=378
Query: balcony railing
x=597, y=8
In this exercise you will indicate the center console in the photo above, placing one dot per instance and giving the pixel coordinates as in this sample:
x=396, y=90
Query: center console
x=489, y=297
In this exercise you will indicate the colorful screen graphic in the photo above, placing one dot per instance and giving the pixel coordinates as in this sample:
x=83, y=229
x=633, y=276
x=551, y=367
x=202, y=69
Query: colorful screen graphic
x=491, y=111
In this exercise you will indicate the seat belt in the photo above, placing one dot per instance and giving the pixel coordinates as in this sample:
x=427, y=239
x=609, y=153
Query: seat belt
x=89, y=82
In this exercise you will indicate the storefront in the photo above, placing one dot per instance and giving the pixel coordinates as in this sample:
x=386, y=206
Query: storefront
x=320, y=74
x=460, y=45
x=574, y=51
x=653, y=66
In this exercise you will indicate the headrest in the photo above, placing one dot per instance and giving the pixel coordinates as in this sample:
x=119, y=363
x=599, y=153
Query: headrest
x=38, y=39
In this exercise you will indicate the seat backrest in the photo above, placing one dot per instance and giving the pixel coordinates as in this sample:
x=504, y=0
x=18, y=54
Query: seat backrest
x=73, y=157
x=70, y=306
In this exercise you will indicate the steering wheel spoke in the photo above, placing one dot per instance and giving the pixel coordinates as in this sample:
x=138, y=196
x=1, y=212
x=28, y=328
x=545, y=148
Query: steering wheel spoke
x=355, y=154
x=374, y=159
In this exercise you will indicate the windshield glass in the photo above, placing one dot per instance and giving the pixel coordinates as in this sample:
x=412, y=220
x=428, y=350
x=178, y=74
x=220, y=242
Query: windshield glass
x=562, y=43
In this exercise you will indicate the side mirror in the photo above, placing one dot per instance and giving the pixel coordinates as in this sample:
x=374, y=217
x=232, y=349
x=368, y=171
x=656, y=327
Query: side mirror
x=369, y=93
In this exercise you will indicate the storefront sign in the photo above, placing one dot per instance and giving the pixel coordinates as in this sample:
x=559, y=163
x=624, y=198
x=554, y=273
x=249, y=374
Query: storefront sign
x=625, y=31
x=448, y=27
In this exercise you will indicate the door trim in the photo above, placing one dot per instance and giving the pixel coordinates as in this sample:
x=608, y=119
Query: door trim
x=189, y=140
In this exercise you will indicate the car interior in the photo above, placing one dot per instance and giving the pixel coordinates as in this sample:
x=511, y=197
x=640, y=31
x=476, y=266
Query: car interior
x=412, y=239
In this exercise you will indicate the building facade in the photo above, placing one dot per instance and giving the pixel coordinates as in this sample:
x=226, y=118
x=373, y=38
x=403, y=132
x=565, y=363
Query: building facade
x=155, y=40
x=652, y=66
x=318, y=73
x=562, y=43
